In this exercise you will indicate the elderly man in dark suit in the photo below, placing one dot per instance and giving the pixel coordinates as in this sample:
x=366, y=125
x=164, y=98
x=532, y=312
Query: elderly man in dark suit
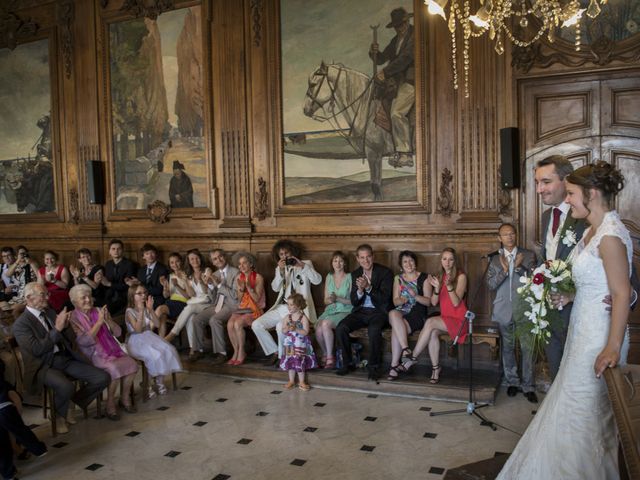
x=503, y=277
x=47, y=344
x=560, y=233
x=371, y=289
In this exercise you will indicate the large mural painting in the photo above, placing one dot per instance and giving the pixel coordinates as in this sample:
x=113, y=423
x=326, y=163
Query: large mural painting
x=157, y=110
x=26, y=155
x=348, y=101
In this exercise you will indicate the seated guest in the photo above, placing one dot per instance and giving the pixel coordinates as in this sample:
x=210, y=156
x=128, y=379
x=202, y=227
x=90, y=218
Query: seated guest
x=175, y=290
x=56, y=279
x=23, y=271
x=371, y=285
x=159, y=356
x=12, y=372
x=337, y=298
x=411, y=296
x=150, y=276
x=11, y=423
x=250, y=290
x=8, y=287
x=95, y=334
x=503, y=277
x=47, y=344
x=221, y=284
x=119, y=275
x=448, y=291
x=198, y=301
x=88, y=273
x=292, y=276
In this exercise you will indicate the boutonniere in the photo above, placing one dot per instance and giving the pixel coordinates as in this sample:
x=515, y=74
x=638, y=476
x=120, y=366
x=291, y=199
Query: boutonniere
x=570, y=238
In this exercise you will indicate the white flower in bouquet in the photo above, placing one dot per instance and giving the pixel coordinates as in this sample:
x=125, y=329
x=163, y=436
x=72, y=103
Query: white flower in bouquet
x=535, y=312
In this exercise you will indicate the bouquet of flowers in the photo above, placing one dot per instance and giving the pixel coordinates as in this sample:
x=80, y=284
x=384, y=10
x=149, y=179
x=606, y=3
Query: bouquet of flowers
x=535, y=314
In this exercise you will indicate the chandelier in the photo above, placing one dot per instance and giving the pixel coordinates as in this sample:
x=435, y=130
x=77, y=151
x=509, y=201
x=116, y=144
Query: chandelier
x=497, y=17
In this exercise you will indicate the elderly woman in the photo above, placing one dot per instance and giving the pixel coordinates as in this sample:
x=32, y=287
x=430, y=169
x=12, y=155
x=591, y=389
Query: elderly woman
x=95, y=332
x=250, y=291
x=56, y=278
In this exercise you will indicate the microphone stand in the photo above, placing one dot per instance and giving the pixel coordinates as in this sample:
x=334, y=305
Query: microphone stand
x=472, y=406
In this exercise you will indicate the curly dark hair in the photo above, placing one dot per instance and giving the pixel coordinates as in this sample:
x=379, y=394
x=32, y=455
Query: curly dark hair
x=294, y=248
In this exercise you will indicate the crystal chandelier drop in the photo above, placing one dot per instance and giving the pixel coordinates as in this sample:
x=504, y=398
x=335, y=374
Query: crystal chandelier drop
x=497, y=18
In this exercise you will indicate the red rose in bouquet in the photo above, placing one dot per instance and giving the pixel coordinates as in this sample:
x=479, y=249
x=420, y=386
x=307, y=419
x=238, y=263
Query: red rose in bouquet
x=538, y=279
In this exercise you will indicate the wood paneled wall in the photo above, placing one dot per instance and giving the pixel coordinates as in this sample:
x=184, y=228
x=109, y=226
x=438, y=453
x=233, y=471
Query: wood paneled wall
x=244, y=149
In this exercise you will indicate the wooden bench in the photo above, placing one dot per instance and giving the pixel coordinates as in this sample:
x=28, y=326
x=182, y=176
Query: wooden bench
x=481, y=334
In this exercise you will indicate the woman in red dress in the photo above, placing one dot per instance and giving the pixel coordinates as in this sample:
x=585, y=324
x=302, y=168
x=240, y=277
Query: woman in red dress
x=56, y=278
x=448, y=290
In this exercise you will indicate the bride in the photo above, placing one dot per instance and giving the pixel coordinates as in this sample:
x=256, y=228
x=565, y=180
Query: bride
x=573, y=435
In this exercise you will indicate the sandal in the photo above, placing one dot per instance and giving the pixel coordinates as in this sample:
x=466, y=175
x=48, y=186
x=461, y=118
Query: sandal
x=406, y=355
x=409, y=362
x=305, y=387
x=330, y=362
x=435, y=374
x=394, y=372
x=289, y=385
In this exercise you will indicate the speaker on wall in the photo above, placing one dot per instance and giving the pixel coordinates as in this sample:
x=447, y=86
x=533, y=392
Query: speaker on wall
x=95, y=182
x=509, y=157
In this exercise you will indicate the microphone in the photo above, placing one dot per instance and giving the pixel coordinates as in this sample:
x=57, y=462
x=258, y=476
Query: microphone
x=491, y=255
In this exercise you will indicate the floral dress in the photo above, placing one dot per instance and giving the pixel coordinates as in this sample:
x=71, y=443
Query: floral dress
x=298, y=351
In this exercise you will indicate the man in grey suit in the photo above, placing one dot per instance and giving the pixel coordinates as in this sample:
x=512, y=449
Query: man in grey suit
x=222, y=290
x=560, y=233
x=503, y=277
x=47, y=344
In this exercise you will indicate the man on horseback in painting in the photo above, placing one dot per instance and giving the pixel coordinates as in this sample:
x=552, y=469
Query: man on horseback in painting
x=398, y=83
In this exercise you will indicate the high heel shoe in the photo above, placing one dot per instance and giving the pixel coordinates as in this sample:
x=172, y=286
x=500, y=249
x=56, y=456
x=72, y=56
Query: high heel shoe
x=435, y=374
x=231, y=362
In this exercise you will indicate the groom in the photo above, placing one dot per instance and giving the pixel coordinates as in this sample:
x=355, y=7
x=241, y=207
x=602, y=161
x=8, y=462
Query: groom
x=560, y=233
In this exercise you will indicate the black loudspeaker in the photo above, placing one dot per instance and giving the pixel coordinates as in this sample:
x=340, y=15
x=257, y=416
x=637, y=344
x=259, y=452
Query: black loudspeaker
x=95, y=181
x=509, y=157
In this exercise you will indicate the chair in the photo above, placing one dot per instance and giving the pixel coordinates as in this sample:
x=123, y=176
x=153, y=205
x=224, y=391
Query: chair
x=49, y=401
x=145, y=383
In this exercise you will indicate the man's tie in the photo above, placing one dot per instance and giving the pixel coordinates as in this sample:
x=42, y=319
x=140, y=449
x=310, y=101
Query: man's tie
x=58, y=346
x=556, y=220
x=149, y=272
x=510, y=260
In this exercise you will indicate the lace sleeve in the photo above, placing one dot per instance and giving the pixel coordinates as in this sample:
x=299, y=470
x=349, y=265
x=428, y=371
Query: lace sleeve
x=612, y=226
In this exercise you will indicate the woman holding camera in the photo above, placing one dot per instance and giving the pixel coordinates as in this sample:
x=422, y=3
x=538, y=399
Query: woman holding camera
x=56, y=278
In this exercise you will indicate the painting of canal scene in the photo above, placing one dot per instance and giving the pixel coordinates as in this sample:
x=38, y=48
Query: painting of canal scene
x=157, y=110
x=348, y=101
x=26, y=159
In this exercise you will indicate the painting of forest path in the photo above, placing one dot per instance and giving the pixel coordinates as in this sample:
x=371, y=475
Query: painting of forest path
x=157, y=116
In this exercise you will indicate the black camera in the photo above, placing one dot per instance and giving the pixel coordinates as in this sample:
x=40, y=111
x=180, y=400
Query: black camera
x=291, y=262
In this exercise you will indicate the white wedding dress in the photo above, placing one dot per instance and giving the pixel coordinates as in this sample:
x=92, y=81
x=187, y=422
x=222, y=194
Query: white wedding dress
x=573, y=434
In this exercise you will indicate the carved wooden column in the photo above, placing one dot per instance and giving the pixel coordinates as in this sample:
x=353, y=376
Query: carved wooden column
x=230, y=107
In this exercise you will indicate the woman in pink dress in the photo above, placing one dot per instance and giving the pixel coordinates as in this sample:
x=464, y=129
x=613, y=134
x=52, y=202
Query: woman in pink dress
x=95, y=334
x=56, y=278
x=448, y=290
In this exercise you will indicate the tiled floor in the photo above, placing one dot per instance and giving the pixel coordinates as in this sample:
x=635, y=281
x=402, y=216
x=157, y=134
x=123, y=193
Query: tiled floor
x=217, y=427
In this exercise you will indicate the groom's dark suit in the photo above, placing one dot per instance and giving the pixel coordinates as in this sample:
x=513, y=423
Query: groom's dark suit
x=374, y=318
x=43, y=366
x=555, y=347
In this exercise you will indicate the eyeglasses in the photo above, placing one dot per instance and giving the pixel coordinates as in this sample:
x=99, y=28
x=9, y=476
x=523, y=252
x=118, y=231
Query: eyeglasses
x=140, y=293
